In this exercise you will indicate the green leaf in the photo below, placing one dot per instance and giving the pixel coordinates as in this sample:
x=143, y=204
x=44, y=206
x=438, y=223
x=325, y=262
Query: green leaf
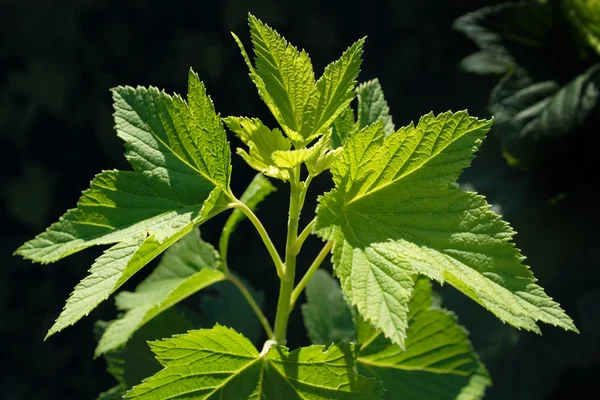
x=508, y=35
x=342, y=127
x=395, y=212
x=478, y=383
x=259, y=188
x=484, y=63
x=187, y=267
x=439, y=361
x=585, y=18
x=283, y=75
x=221, y=363
x=181, y=162
x=115, y=393
x=326, y=314
x=285, y=81
x=372, y=106
x=493, y=26
x=322, y=154
x=336, y=87
x=262, y=143
x=288, y=159
x=527, y=113
x=130, y=364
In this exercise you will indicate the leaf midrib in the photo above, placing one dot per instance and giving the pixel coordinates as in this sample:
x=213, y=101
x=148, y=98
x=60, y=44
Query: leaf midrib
x=185, y=162
x=329, y=105
x=493, y=286
x=408, y=173
x=406, y=368
x=280, y=79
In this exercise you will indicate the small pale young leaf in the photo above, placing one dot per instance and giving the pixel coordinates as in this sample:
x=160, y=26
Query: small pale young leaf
x=326, y=314
x=259, y=188
x=439, y=361
x=322, y=154
x=287, y=159
x=189, y=266
x=181, y=162
x=262, y=143
x=372, y=106
x=395, y=213
x=585, y=18
x=130, y=364
x=221, y=363
x=528, y=112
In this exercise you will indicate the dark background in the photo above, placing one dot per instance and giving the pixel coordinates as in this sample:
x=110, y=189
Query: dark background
x=58, y=60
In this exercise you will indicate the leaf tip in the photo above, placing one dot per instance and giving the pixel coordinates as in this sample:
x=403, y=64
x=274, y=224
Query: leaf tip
x=193, y=75
x=51, y=332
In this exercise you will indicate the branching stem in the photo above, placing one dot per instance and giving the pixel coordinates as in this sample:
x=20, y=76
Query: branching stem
x=264, y=236
x=303, y=235
x=311, y=270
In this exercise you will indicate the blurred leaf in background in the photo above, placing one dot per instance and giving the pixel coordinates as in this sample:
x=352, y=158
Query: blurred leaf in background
x=539, y=171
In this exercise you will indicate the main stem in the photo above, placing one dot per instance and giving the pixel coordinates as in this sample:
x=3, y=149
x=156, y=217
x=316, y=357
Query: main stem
x=286, y=285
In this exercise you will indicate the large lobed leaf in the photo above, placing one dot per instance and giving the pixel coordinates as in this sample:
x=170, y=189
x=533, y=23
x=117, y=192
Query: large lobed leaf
x=221, y=363
x=181, y=162
x=395, y=213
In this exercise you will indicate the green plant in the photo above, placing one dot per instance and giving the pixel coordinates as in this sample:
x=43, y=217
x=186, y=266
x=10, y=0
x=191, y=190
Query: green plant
x=394, y=220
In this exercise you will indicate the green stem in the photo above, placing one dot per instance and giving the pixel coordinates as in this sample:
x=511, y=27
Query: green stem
x=305, y=186
x=264, y=236
x=246, y=293
x=311, y=270
x=303, y=235
x=287, y=280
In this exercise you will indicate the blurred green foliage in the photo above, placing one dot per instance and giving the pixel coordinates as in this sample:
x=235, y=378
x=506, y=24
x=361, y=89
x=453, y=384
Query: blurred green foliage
x=59, y=58
x=546, y=116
